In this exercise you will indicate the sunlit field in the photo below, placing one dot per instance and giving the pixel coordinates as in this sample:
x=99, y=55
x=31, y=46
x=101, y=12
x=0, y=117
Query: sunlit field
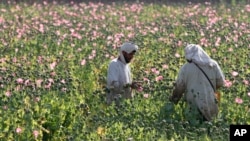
x=54, y=59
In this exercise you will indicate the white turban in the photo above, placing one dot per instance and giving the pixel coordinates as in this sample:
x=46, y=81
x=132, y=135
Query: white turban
x=127, y=47
x=197, y=55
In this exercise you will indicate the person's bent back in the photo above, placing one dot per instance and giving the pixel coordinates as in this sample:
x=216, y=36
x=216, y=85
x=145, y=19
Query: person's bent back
x=198, y=80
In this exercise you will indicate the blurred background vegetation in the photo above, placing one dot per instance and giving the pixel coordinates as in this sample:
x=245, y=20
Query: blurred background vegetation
x=145, y=1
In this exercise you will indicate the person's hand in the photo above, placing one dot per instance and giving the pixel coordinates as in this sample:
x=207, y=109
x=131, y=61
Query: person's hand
x=136, y=85
x=140, y=89
x=173, y=99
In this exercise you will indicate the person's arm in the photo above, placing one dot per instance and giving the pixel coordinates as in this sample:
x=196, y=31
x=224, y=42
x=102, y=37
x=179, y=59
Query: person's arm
x=136, y=85
x=177, y=93
x=179, y=88
x=112, y=78
x=220, y=78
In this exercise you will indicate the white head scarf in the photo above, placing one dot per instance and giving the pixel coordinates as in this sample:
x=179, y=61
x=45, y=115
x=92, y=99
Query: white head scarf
x=127, y=47
x=197, y=55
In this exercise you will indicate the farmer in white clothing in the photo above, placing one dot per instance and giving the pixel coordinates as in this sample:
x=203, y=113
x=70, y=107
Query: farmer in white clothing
x=119, y=80
x=198, y=92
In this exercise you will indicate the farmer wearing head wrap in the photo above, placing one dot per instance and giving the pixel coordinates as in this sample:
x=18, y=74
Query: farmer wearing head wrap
x=197, y=90
x=119, y=80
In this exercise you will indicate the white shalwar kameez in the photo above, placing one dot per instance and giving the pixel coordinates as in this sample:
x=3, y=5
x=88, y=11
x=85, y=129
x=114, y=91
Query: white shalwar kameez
x=191, y=81
x=119, y=76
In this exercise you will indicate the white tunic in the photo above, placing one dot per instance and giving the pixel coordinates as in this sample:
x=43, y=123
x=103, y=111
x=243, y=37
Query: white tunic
x=197, y=89
x=119, y=76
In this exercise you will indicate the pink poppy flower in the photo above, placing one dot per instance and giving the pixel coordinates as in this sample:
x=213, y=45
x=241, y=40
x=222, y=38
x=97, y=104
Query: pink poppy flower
x=214, y=50
x=157, y=72
x=53, y=65
x=79, y=49
x=245, y=82
x=40, y=59
x=107, y=55
x=14, y=60
x=180, y=43
x=47, y=86
x=35, y=133
x=5, y=107
x=18, y=88
x=248, y=93
x=234, y=73
x=228, y=83
x=53, y=74
x=64, y=89
x=8, y=93
x=37, y=99
x=146, y=95
x=177, y=55
x=19, y=81
x=83, y=62
x=140, y=89
x=91, y=57
x=63, y=81
x=51, y=80
x=145, y=79
x=218, y=40
x=159, y=78
x=230, y=49
x=153, y=70
x=27, y=82
x=18, y=130
x=131, y=35
x=238, y=100
x=165, y=66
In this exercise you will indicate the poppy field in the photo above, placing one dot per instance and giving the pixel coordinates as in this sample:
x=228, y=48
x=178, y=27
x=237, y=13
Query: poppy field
x=54, y=59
